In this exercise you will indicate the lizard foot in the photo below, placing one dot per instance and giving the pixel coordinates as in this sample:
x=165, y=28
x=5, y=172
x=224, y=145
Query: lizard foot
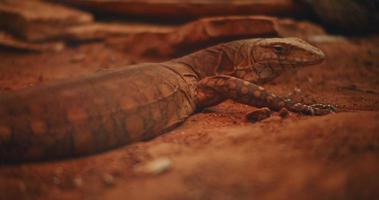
x=322, y=109
x=314, y=109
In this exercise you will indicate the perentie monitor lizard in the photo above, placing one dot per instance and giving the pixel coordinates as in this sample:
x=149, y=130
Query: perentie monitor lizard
x=116, y=107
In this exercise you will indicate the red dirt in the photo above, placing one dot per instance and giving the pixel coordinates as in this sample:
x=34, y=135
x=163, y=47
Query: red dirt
x=217, y=154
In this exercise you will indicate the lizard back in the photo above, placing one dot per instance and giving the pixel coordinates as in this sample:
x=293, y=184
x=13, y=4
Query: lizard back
x=91, y=114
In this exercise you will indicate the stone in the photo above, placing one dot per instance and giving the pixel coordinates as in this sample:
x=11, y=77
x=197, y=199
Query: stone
x=37, y=20
x=154, y=167
x=208, y=31
x=99, y=31
x=195, y=35
x=12, y=42
x=108, y=179
x=303, y=29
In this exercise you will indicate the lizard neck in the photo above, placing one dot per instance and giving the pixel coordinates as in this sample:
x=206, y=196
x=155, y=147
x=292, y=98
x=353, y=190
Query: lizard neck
x=219, y=59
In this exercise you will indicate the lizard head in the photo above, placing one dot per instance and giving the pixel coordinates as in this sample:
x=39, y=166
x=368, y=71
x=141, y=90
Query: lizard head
x=270, y=57
x=286, y=51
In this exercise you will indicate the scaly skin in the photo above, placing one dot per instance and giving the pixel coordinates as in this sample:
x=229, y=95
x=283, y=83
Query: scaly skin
x=134, y=103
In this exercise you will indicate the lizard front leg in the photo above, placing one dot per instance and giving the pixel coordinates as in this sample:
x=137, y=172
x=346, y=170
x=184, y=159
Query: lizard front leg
x=213, y=90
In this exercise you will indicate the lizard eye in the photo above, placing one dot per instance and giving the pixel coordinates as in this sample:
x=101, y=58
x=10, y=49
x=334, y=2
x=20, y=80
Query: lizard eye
x=279, y=49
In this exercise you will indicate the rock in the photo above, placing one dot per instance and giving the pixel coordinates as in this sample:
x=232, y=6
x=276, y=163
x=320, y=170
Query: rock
x=78, y=58
x=108, y=179
x=208, y=31
x=10, y=41
x=258, y=115
x=190, y=9
x=37, y=20
x=283, y=113
x=195, y=35
x=77, y=182
x=154, y=167
x=294, y=28
x=96, y=31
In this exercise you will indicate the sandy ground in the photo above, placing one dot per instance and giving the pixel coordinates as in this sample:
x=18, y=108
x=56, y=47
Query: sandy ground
x=218, y=154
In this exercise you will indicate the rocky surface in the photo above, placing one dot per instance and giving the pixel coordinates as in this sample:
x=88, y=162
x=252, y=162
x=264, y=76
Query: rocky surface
x=217, y=153
x=158, y=40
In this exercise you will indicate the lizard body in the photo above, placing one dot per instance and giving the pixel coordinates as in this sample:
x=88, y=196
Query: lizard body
x=109, y=109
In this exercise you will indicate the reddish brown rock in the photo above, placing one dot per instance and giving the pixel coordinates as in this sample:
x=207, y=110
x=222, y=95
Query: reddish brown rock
x=10, y=41
x=301, y=29
x=96, y=31
x=37, y=21
x=208, y=31
x=189, y=9
x=195, y=35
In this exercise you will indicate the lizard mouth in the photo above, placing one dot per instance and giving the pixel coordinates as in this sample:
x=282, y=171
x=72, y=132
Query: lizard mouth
x=296, y=62
x=316, y=56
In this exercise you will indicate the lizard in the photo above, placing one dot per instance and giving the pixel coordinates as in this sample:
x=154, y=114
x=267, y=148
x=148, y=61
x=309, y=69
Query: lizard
x=112, y=108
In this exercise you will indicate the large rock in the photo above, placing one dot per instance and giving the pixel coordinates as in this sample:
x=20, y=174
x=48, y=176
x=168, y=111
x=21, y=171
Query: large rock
x=301, y=29
x=103, y=30
x=37, y=21
x=189, y=9
x=195, y=35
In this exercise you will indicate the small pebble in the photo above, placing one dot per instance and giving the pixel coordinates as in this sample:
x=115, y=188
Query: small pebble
x=297, y=90
x=22, y=187
x=310, y=80
x=108, y=179
x=154, y=167
x=258, y=115
x=78, y=58
x=58, y=47
x=56, y=180
x=78, y=181
x=283, y=113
